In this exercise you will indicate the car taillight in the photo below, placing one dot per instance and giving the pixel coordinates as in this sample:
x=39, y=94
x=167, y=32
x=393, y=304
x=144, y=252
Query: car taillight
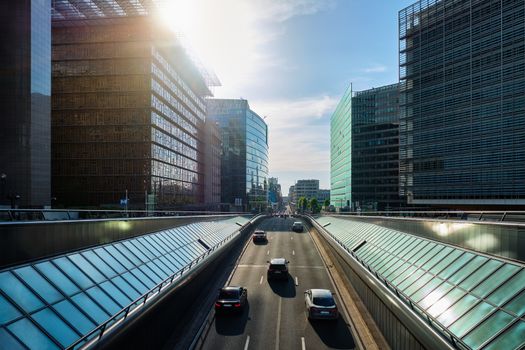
x=237, y=305
x=218, y=304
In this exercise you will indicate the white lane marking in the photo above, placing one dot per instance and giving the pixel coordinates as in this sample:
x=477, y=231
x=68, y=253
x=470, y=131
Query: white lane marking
x=294, y=266
x=293, y=252
x=261, y=280
x=268, y=253
x=278, y=324
x=296, y=281
x=248, y=343
x=291, y=237
x=303, y=346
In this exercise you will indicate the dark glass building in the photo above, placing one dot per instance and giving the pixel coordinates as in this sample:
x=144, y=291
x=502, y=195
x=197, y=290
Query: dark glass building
x=244, y=167
x=375, y=149
x=128, y=114
x=462, y=103
x=212, y=165
x=25, y=93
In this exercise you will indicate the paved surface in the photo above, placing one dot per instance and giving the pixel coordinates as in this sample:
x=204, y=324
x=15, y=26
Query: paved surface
x=275, y=317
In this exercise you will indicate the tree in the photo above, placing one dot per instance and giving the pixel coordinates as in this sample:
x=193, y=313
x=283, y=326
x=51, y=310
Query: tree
x=314, y=205
x=302, y=203
x=326, y=203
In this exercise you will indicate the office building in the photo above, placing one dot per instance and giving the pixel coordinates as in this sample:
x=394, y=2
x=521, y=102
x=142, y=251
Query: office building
x=275, y=197
x=341, y=152
x=462, y=103
x=244, y=162
x=291, y=195
x=212, y=165
x=375, y=149
x=128, y=112
x=306, y=188
x=25, y=95
x=323, y=195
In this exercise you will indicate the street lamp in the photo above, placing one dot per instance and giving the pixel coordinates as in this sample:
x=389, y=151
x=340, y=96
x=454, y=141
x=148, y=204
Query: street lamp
x=3, y=180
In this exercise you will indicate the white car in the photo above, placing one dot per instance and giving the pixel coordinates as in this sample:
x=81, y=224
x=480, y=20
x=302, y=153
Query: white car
x=297, y=226
x=320, y=304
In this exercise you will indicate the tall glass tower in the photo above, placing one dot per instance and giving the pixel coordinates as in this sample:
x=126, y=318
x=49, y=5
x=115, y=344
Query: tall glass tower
x=25, y=89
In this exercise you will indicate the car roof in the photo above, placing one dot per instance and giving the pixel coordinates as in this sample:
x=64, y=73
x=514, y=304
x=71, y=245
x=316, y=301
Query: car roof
x=321, y=293
x=278, y=261
x=297, y=222
x=230, y=288
x=258, y=231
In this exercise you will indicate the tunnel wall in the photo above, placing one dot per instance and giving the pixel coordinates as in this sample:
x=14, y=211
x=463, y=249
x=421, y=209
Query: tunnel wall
x=27, y=241
x=506, y=240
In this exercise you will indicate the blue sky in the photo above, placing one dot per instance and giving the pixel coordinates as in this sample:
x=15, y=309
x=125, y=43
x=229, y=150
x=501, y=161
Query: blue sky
x=292, y=60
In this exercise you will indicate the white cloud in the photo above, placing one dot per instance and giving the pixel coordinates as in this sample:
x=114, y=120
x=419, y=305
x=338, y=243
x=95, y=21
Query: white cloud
x=299, y=132
x=283, y=10
x=377, y=68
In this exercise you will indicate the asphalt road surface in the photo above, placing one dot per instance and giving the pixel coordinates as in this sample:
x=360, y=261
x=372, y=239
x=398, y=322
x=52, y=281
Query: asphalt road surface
x=275, y=316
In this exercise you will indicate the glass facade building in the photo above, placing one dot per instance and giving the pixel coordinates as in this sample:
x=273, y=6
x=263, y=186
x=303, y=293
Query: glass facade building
x=128, y=114
x=462, y=103
x=341, y=152
x=244, y=163
x=25, y=95
x=375, y=148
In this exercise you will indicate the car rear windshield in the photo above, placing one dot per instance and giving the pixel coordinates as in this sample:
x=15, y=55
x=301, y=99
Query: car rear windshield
x=277, y=267
x=229, y=294
x=323, y=301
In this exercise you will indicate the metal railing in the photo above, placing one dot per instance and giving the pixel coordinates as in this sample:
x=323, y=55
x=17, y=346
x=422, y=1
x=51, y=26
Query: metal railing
x=89, y=214
x=97, y=333
x=485, y=215
x=430, y=320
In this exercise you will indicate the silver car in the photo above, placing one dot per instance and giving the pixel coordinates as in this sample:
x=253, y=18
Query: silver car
x=320, y=304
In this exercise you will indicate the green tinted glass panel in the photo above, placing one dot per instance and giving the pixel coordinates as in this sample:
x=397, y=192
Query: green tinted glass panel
x=507, y=290
x=512, y=338
x=471, y=318
x=426, y=289
x=517, y=305
x=403, y=274
x=418, y=283
x=398, y=266
x=488, y=329
x=481, y=274
x=417, y=252
x=458, y=309
x=466, y=270
x=410, y=279
x=496, y=279
x=449, y=270
x=423, y=252
x=456, y=257
x=438, y=257
x=436, y=296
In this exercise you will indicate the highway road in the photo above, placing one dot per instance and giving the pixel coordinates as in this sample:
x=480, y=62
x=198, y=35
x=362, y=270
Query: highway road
x=275, y=317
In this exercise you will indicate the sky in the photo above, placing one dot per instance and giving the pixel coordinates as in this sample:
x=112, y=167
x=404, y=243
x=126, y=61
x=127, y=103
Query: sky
x=292, y=60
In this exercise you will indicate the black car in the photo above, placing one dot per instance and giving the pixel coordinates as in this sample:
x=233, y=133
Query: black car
x=231, y=299
x=277, y=269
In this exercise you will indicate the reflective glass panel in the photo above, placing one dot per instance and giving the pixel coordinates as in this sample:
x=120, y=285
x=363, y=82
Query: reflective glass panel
x=488, y=329
x=90, y=308
x=39, y=284
x=507, y=290
x=458, y=309
x=471, y=318
x=438, y=257
x=87, y=268
x=73, y=315
x=73, y=272
x=116, y=294
x=135, y=282
x=19, y=293
x=55, y=326
x=96, y=261
x=517, y=305
x=436, y=295
x=449, y=265
x=57, y=277
x=30, y=335
x=143, y=278
x=8, y=342
x=131, y=253
x=480, y=274
x=444, y=303
x=7, y=311
x=119, y=257
x=494, y=280
x=125, y=287
x=104, y=300
x=144, y=248
x=512, y=338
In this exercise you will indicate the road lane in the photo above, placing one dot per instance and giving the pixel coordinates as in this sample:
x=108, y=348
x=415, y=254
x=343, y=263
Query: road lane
x=275, y=317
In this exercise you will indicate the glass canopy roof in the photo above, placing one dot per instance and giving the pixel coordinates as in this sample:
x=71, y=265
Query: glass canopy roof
x=51, y=303
x=478, y=299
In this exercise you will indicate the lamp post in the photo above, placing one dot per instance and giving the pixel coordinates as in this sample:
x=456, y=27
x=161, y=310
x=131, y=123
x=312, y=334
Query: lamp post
x=3, y=181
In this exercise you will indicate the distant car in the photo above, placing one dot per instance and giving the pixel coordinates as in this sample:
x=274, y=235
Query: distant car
x=320, y=304
x=277, y=269
x=259, y=236
x=297, y=226
x=231, y=299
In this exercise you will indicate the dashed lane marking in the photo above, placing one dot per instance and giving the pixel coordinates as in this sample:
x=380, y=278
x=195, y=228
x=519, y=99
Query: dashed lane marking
x=248, y=343
x=296, y=281
x=261, y=280
x=278, y=324
x=293, y=252
x=303, y=345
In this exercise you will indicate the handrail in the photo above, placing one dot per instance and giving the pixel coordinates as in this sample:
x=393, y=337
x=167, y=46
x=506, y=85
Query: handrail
x=430, y=320
x=90, y=338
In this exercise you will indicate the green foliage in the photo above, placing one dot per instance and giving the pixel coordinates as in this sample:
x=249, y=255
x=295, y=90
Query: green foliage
x=326, y=203
x=314, y=205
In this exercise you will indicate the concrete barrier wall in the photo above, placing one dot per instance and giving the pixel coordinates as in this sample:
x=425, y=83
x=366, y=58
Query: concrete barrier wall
x=22, y=242
x=506, y=240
